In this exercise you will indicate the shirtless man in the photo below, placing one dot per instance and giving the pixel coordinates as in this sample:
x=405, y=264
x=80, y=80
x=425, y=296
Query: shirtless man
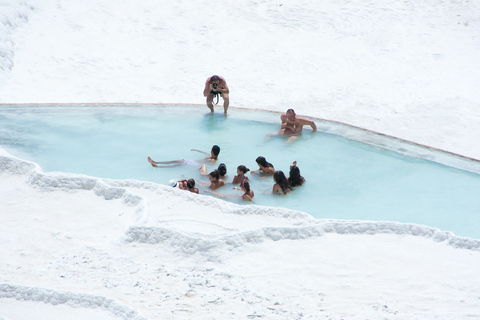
x=215, y=181
x=292, y=126
x=216, y=85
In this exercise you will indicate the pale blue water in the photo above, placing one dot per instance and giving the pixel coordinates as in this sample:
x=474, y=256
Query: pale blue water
x=345, y=179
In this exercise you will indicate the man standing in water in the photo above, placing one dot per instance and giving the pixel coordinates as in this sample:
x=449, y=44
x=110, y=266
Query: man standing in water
x=292, y=126
x=213, y=86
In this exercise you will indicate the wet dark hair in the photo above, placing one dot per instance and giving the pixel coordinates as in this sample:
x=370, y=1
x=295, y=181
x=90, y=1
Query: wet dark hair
x=291, y=111
x=281, y=180
x=246, y=185
x=243, y=168
x=295, y=178
x=222, y=169
x=214, y=78
x=190, y=183
x=263, y=162
x=216, y=150
x=215, y=174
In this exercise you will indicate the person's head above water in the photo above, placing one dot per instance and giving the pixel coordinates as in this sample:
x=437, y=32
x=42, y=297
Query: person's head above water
x=295, y=179
x=214, y=175
x=222, y=169
x=215, y=150
x=190, y=183
x=242, y=168
x=263, y=162
x=291, y=114
x=294, y=171
x=279, y=177
x=245, y=185
x=281, y=180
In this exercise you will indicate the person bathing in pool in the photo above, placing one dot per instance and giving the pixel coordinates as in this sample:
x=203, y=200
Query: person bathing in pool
x=215, y=181
x=295, y=179
x=281, y=183
x=248, y=193
x=292, y=126
x=222, y=170
x=213, y=156
x=241, y=171
x=184, y=184
x=264, y=166
x=245, y=187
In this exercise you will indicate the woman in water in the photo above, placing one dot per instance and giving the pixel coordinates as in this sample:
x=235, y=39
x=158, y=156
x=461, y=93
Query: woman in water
x=295, y=178
x=245, y=187
x=222, y=170
x=241, y=170
x=281, y=183
x=264, y=166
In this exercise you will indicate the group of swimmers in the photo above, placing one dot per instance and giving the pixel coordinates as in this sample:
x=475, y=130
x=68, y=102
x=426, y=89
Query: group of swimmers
x=291, y=127
x=282, y=185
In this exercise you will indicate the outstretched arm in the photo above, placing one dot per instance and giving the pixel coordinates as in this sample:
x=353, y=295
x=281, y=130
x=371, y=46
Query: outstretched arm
x=200, y=151
x=203, y=170
x=306, y=122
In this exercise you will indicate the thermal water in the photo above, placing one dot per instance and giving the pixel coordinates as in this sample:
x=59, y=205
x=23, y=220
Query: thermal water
x=345, y=179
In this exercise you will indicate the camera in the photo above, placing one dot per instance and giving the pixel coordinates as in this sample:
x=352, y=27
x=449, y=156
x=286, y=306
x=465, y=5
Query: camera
x=215, y=85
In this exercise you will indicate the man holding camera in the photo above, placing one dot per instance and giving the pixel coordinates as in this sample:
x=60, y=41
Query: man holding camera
x=216, y=85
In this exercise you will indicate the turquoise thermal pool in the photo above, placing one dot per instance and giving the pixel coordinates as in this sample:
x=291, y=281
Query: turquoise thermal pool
x=346, y=178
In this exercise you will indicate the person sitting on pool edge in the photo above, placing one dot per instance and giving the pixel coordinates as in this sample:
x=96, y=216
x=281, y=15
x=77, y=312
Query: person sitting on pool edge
x=213, y=86
x=173, y=163
x=292, y=126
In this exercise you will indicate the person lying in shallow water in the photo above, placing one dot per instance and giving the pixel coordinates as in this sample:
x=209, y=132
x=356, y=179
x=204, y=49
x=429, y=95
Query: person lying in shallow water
x=213, y=156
